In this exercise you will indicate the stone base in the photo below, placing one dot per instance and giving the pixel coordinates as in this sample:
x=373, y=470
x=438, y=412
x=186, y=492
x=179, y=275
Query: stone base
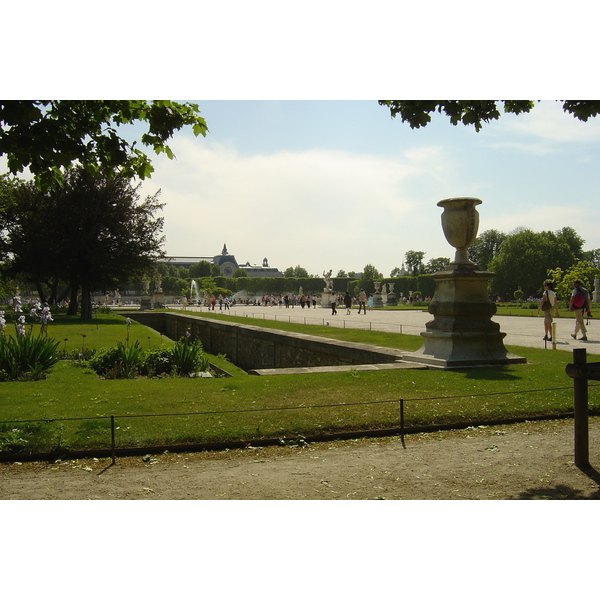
x=158, y=300
x=377, y=301
x=447, y=350
x=146, y=302
x=391, y=300
x=326, y=297
x=462, y=333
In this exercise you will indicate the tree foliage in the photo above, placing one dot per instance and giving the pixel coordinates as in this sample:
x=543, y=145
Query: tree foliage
x=49, y=135
x=485, y=247
x=524, y=258
x=417, y=113
x=563, y=280
x=91, y=234
x=296, y=271
x=436, y=264
x=414, y=261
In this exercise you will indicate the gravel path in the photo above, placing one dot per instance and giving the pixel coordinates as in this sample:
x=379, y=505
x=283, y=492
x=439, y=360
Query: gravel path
x=532, y=460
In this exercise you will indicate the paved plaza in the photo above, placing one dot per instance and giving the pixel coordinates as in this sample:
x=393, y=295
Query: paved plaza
x=520, y=331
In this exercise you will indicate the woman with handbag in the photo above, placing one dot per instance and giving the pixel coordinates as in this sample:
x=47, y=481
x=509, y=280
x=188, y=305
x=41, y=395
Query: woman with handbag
x=548, y=303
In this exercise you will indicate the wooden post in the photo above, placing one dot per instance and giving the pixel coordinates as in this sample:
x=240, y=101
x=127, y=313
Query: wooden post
x=580, y=412
x=402, y=422
x=112, y=439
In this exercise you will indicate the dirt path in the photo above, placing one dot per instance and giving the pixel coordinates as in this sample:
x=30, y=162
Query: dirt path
x=531, y=460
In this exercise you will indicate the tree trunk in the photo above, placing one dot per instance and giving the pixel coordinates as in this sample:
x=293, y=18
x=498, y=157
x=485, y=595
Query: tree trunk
x=73, y=304
x=40, y=291
x=86, y=302
x=64, y=295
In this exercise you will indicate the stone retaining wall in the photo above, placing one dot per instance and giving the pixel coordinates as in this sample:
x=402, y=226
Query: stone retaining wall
x=252, y=348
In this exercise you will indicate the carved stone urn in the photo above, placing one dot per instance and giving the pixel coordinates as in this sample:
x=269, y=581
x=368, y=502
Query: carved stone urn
x=462, y=333
x=460, y=223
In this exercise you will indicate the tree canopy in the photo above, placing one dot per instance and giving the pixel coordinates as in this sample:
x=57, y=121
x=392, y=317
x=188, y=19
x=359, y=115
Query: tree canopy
x=524, y=258
x=417, y=113
x=91, y=234
x=49, y=135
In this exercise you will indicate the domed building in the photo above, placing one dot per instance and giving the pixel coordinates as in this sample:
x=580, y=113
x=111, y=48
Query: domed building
x=228, y=264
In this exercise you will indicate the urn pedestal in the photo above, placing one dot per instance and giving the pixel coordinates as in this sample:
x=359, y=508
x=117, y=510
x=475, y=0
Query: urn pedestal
x=326, y=298
x=377, y=297
x=146, y=298
x=462, y=333
x=158, y=300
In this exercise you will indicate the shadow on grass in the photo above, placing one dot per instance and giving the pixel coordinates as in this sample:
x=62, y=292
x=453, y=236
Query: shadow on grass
x=495, y=374
x=76, y=320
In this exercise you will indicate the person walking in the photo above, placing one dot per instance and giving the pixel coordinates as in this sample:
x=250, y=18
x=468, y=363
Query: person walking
x=580, y=303
x=333, y=304
x=548, y=303
x=362, y=301
x=348, y=302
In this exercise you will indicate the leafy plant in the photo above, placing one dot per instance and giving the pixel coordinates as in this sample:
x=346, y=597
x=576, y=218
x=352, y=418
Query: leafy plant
x=129, y=358
x=26, y=356
x=188, y=357
x=157, y=362
x=104, y=360
x=126, y=361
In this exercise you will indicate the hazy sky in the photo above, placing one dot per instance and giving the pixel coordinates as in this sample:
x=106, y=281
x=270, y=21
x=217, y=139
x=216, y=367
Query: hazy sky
x=339, y=184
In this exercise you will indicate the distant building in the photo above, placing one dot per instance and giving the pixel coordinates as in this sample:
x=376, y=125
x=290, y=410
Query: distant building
x=227, y=263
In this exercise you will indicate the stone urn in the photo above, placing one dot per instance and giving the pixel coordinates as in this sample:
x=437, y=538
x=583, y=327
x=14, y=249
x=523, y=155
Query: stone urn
x=460, y=223
x=462, y=333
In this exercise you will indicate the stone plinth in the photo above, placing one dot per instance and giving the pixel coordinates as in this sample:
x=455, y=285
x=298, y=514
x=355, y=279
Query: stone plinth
x=462, y=333
x=146, y=302
x=377, y=296
x=158, y=300
x=326, y=298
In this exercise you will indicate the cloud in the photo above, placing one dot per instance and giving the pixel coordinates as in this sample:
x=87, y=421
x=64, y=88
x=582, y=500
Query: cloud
x=543, y=129
x=317, y=208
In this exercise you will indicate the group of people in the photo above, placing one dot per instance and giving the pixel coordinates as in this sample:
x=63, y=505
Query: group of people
x=347, y=300
x=579, y=303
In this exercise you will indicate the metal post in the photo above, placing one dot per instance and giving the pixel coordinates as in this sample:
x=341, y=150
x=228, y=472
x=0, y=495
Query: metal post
x=112, y=438
x=402, y=422
x=580, y=412
x=554, y=336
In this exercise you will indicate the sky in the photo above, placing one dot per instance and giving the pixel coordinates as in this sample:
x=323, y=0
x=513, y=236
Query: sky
x=339, y=184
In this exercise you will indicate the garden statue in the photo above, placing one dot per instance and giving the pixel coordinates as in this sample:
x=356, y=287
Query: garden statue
x=462, y=333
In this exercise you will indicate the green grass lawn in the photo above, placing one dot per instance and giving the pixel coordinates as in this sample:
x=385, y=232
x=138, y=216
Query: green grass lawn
x=74, y=405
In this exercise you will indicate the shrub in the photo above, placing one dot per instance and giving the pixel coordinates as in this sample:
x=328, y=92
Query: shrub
x=26, y=357
x=188, y=357
x=157, y=362
x=105, y=361
x=122, y=361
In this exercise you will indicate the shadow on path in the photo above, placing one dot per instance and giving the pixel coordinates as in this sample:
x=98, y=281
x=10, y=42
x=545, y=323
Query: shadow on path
x=563, y=492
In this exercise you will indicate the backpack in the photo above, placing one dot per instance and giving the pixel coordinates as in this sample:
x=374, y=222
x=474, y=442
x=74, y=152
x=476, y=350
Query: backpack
x=580, y=297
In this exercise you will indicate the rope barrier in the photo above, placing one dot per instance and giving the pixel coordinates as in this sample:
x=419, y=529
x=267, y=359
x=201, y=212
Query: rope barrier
x=299, y=407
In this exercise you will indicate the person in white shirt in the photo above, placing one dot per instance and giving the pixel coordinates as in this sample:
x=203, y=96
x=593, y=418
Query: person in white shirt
x=548, y=304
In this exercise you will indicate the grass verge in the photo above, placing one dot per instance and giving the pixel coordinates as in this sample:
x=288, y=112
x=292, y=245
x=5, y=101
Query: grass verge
x=72, y=406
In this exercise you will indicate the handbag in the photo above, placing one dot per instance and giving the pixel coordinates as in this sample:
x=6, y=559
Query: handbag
x=546, y=303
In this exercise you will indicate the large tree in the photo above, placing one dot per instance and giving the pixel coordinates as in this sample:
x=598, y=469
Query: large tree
x=93, y=233
x=414, y=261
x=485, y=247
x=49, y=135
x=417, y=113
x=524, y=260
